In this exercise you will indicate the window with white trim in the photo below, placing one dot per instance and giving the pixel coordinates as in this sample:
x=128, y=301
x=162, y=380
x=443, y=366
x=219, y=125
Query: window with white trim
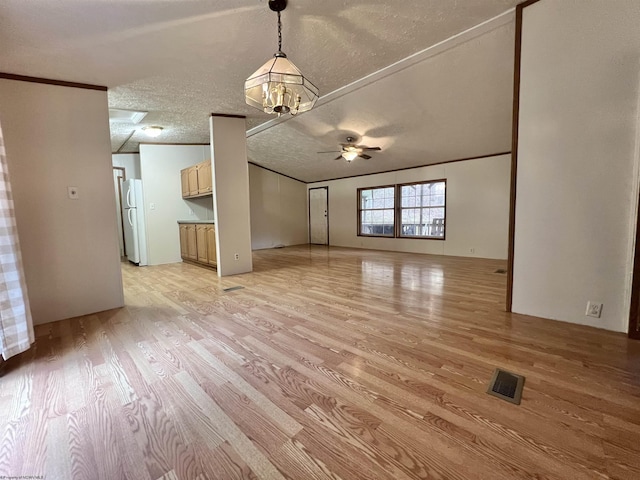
x=422, y=209
x=408, y=210
x=376, y=211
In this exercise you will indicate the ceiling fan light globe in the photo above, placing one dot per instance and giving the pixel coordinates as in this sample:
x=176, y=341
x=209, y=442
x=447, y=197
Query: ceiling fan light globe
x=349, y=155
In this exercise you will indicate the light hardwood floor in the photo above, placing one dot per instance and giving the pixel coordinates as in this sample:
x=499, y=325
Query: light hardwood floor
x=329, y=364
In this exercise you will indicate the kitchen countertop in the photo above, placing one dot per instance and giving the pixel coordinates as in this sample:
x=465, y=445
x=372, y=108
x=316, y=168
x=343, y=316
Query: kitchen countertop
x=209, y=222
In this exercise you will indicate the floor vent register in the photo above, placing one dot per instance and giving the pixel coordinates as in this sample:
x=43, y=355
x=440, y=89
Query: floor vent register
x=507, y=386
x=231, y=289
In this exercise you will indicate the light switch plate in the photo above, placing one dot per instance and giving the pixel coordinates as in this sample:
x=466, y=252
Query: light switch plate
x=152, y=206
x=72, y=192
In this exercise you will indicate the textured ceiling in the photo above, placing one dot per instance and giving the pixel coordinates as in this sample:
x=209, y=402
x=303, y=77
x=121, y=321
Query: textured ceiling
x=180, y=60
x=426, y=113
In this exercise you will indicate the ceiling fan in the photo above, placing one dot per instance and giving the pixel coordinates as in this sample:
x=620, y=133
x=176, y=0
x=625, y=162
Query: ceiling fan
x=350, y=150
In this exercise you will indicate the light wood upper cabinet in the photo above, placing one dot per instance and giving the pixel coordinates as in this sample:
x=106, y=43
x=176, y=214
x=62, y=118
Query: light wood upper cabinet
x=201, y=242
x=192, y=249
x=197, y=180
x=205, y=181
x=184, y=178
x=184, y=244
x=211, y=244
x=193, y=180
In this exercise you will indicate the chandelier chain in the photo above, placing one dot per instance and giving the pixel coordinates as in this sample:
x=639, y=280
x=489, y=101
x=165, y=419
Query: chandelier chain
x=279, y=33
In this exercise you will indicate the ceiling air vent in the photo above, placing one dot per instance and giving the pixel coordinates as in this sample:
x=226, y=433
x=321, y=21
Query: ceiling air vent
x=126, y=116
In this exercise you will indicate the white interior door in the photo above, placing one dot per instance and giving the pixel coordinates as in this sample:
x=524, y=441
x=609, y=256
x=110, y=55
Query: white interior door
x=319, y=216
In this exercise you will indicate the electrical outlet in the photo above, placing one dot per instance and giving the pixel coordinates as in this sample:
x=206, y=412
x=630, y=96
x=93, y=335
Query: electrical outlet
x=594, y=309
x=190, y=212
x=236, y=257
x=472, y=250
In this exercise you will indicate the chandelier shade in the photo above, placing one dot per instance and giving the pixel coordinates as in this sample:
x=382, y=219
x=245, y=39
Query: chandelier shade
x=278, y=87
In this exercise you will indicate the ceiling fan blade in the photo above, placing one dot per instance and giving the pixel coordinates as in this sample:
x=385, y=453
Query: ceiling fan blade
x=370, y=148
x=365, y=156
x=338, y=158
x=330, y=151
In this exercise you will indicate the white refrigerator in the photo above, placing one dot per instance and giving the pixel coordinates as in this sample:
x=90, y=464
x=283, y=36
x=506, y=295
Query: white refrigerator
x=135, y=236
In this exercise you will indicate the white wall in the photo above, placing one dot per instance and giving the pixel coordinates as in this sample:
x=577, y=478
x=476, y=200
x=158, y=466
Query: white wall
x=477, y=208
x=129, y=161
x=160, y=167
x=279, y=213
x=58, y=137
x=577, y=183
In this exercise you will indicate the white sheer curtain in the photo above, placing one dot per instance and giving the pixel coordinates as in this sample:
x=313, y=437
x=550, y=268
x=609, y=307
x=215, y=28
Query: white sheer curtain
x=16, y=326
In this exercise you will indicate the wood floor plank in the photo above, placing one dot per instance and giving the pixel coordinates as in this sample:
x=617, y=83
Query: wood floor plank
x=248, y=417
x=192, y=421
x=82, y=454
x=73, y=392
x=224, y=463
x=157, y=437
x=271, y=411
x=296, y=459
x=330, y=363
x=229, y=430
x=33, y=433
x=58, y=455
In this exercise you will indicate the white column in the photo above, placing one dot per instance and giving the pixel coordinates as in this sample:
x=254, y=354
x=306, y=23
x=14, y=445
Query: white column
x=230, y=172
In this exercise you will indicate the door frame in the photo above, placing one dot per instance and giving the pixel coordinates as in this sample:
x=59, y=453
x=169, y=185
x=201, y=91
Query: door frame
x=309, y=211
x=121, y=179
x=634, y=307
x=634, y=302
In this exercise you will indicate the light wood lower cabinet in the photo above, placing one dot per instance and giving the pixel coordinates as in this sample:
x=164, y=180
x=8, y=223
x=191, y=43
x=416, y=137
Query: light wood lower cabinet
x=201, y=241
x=184, y=249
x=192, y=248
x=211, y=245
x=198, y=243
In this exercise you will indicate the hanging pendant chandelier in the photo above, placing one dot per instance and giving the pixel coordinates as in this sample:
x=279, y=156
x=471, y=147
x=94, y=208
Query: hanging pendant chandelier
x=278, y=86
